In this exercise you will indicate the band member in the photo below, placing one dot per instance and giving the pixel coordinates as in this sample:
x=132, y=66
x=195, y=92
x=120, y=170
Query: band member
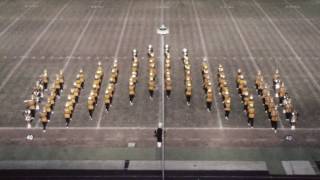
x=99, y=71
x=209, y=99
x=168, y=84
x=45, y=80
x=47, y=107
x=242, y=85
x=249, y=101
x=222, y=82
x=44, y=120
x=188, y=93
x=185, y=52
x=225, y=94
x=267, y=100
x=111, y=89
x=265, y=93
x=132, y=91
x=28, y=118
x=114, y=75
x=258, y=79
x=227, y=107
x=151, y=87
x=94, y=95
x=261, y=86
x=244, y=93
x=294, y=120
x=239, y=77
x=158, y=134
x=276, y=82
x=36, y=96
x=288, y=110
x=167, y=64
x=75, y=93
x=67, y=113
x=281, y=93
x=57, y=86
x=274, y=119
x=271, y=107
x=205, y=68
x=31, y=105
x=150, y=51
x=107, y=100
x=81, y=78
x=61, y=80
x=251, y=115
x=91, y=105
x=77, y=84
x=51, y=101
x=166, y=50
x=245, y=102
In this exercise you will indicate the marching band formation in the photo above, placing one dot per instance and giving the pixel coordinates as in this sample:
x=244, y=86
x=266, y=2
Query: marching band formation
x=94, y=93
x=152, y=72
x=207, y=84
x=167, y=71
x=187, y=76
x=272, y=99
x=134, y=76
x=73, y=97
x=108, y=96
x=224, y=91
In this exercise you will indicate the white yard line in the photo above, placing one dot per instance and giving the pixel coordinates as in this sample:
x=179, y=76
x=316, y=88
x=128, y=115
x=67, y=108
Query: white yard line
x=124, y=27
x=244, y=42
x=14, y=22
x=76, y=45
x=315, y=28
x=205, y=52
x=167, y=128
x=44, y=31
x=297, y=57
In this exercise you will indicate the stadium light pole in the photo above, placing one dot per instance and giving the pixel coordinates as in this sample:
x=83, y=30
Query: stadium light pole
x=162, y=31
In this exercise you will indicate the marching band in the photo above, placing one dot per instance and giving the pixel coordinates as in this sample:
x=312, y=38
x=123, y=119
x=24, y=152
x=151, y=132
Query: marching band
x=272, y=99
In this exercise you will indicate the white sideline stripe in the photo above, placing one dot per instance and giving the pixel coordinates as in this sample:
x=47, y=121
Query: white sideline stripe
x=76, y=45
x=204, y=48
x=244, y=42
x=13, y=70
x=315, y=28
x=124, y=27
x=153, y=128
x=13, y=22
x=133, y=165
x=62, y=164
x=297, y=57
x=200, y=165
